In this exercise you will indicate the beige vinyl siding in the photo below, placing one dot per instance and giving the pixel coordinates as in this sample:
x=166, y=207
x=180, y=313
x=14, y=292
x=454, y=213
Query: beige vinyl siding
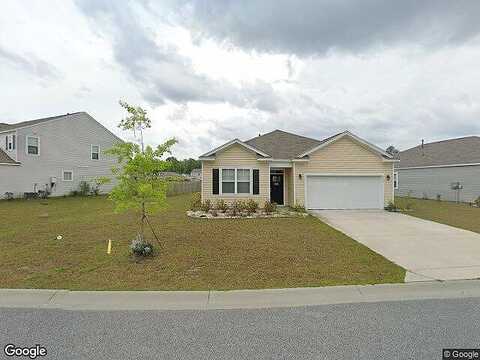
x=345, y=156
x=236, y=156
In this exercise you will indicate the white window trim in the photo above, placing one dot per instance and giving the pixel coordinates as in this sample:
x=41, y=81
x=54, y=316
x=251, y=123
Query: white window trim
x=26, y=144
x=236, y=193
x=395, y=182
x=91, y=152
x=63, y=175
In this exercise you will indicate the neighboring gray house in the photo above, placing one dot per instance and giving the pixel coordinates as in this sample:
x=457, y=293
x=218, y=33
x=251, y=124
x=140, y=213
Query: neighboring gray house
x=54, y=153
x=449, y=168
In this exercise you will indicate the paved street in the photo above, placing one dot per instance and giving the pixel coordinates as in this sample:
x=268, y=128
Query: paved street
x=393, y=330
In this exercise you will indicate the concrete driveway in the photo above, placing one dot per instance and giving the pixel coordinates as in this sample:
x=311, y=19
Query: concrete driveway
x=426, y=249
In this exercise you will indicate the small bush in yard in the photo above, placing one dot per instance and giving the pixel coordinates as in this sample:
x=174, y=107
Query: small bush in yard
x=269, y=207
x=237, y=207
x=221, y=205
x=214, y=213
x=252, y=206
x=196, y=202
x=206, y=205
x=141, y=248
x=392, y=207
x=477, y=201
x=299, y=208
x=84, y=188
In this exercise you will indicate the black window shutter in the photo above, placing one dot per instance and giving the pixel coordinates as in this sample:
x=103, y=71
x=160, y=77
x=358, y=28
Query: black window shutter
x=215, y=179
x=14, y=142
x=256, y=182
x=6, y=142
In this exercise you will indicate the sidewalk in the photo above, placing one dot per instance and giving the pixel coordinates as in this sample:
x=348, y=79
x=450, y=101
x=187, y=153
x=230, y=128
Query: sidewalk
x=236, y=299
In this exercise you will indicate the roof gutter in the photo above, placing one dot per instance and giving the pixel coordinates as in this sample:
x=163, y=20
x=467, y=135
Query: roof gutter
x=436, y=166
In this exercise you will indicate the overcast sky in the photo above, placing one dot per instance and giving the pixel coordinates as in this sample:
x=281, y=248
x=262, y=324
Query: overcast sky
x=393, y=72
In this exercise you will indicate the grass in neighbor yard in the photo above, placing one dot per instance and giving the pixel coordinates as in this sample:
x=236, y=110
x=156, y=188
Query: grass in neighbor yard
x=198, y=254
x=459, y=215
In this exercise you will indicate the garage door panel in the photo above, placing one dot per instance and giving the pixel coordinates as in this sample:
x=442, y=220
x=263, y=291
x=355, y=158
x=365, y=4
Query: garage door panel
x=344, y=192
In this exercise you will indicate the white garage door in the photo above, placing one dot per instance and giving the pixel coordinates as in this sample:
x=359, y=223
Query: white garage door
x=344, y=192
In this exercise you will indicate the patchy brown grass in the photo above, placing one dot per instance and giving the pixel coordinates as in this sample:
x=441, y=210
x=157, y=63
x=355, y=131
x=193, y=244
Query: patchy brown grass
x=198, y=253
x=459, y=215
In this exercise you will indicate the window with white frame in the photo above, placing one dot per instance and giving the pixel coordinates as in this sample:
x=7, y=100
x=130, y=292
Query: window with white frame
x=33, y=145
x=236, y=181
x=95, y=152
x=10, y=142
x=67, y=175
x=395, y=180
x=228, y=181
x=243, y=181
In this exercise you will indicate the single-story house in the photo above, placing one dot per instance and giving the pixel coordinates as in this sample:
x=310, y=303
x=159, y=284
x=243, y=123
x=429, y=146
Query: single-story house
x=448, y=169
x=340, y=172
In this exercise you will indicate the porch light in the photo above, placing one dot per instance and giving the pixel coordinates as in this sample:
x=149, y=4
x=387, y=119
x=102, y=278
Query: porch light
x=300, y=176
x=388, y=177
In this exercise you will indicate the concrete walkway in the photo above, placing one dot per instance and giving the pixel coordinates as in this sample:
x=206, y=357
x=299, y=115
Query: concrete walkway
x=237, y=299
x=427, y=249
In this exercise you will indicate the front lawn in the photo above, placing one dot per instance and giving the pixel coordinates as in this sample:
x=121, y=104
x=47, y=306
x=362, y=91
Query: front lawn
x=198, y=254
x=459, y=215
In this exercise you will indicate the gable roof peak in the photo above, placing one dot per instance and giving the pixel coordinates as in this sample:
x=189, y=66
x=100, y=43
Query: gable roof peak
x=13, y=126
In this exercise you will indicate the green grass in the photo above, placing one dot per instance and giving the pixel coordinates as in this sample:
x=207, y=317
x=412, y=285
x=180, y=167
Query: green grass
x=459, y=215
x=198, y=254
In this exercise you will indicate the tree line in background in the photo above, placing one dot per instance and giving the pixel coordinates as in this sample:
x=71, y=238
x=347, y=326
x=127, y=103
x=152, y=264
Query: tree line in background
x=184, y=166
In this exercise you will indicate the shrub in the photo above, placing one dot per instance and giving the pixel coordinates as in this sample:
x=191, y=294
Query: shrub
x=439, y=197
x=299, y=208
x=140, y=248
x=83, y=188
x=269, y=207
x=74, y=193
x=9, y=195
x=214, y=213
x=237, y=207
x=477, y=201
x=97, y=182
x=221, y=205
x=196, y=202
x=251, y=206
x=206, y=205
x=392, y=207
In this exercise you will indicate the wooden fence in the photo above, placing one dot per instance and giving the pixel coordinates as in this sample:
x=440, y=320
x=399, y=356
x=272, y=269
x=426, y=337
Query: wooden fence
x=183, y=187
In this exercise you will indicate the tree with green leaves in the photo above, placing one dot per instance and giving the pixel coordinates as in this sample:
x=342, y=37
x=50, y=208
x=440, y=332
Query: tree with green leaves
x=139, y=187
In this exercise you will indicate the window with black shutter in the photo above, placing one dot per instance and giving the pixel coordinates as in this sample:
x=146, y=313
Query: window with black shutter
x=256, y=181
x=215, y=182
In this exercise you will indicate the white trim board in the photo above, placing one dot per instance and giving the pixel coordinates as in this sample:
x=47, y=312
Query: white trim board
x=437, y=166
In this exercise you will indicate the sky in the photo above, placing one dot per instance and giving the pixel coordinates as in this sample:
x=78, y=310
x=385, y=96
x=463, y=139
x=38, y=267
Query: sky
x=207, y=71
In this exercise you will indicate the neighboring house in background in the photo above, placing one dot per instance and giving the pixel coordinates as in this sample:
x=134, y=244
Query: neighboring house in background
x=449, y=168
x=196, y=174
x=54, y=153
x=340, y=172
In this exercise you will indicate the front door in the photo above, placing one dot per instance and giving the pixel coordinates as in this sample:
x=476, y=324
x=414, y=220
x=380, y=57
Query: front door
x=276, y=188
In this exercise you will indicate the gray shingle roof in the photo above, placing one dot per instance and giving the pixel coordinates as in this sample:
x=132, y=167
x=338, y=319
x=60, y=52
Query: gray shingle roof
x=464, y=150
x=283, y=145
x=5, y=127
x=5, y=159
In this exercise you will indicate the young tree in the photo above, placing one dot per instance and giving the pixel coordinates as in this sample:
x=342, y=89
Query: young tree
x=139, y=187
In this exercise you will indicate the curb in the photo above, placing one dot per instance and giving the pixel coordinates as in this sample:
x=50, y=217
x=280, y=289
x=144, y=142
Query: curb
x=234, y=299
